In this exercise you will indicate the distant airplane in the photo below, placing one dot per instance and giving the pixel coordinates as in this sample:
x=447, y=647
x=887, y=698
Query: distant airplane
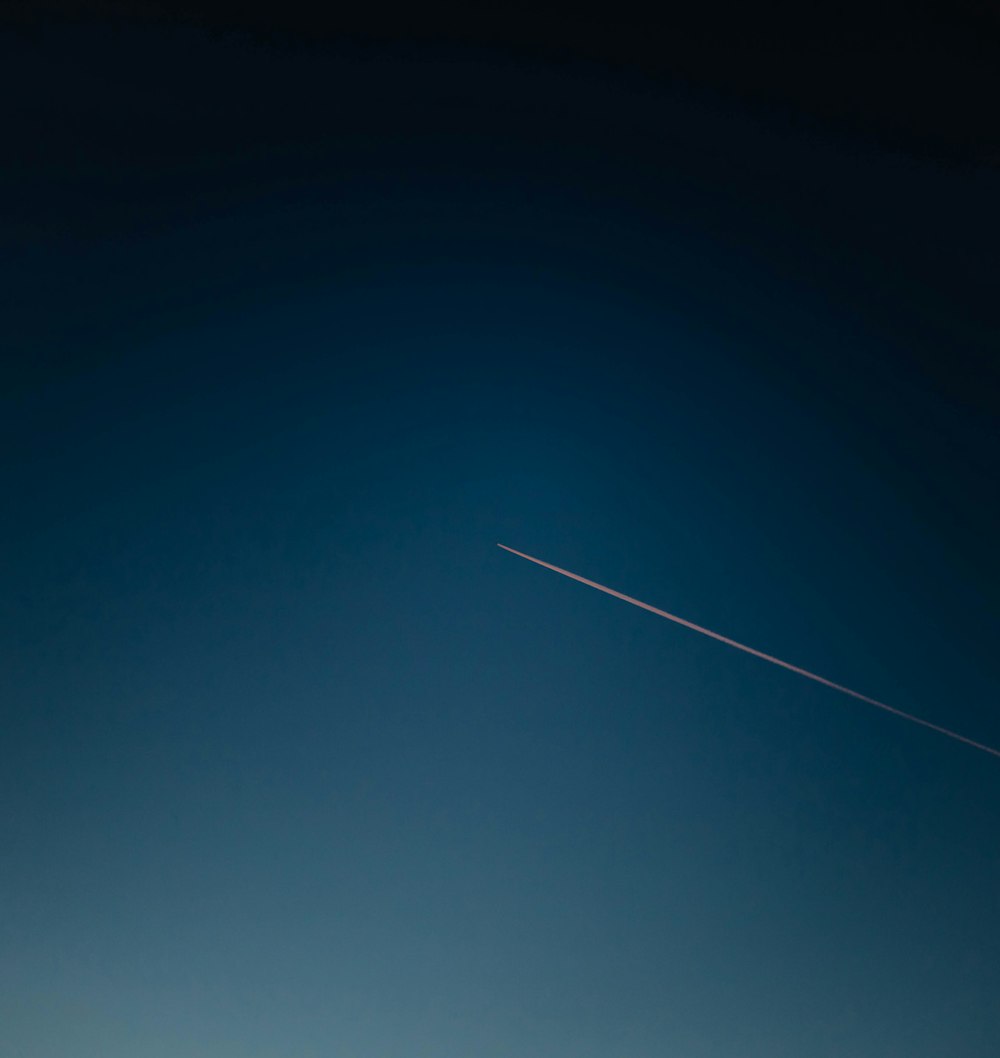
x=756, y=653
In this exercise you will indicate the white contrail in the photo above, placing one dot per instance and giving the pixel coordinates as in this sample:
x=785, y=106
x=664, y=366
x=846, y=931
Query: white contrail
x=756, y=653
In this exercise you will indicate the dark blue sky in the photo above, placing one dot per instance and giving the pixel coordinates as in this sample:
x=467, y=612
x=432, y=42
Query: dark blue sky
x=295, y=760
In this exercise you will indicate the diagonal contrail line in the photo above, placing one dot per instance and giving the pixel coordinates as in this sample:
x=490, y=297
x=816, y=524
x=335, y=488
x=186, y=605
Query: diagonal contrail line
x=756, y=653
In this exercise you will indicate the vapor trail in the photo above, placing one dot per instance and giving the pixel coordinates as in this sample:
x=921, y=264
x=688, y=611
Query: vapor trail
x=756, y=653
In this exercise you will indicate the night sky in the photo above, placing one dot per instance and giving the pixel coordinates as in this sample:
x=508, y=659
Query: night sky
x=300, y=318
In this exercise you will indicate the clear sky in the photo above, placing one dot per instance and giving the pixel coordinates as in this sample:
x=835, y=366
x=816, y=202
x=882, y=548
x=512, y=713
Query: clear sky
x=296, y=761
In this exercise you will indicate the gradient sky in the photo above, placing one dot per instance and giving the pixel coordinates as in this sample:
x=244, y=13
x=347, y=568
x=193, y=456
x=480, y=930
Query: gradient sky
x=295, y=761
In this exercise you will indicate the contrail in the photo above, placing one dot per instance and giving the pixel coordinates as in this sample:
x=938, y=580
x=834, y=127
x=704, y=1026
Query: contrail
x=756, y=653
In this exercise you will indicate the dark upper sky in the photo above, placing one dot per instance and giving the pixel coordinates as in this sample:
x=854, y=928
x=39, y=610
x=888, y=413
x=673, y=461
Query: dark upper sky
x=300, y=317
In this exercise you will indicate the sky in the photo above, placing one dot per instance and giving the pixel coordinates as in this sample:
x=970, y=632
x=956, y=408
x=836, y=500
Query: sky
x=295, y=760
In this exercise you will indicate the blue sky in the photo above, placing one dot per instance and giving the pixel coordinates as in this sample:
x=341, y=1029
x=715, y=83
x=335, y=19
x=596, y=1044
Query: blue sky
x=296, y=761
